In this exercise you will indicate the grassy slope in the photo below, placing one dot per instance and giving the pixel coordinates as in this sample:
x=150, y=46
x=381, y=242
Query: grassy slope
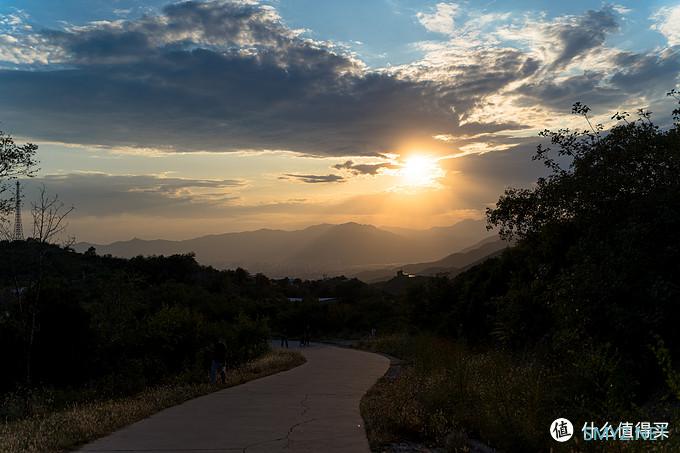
x=81, y=423
x=447, y=394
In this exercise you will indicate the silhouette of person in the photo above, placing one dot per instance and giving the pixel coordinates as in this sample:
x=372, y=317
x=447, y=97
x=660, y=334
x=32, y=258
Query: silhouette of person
x=219, y=361
x=284, y=338
x=307, y=335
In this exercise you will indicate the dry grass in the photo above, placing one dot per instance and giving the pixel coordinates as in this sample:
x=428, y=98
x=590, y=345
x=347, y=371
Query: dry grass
x=83, y=422
x=448, y=394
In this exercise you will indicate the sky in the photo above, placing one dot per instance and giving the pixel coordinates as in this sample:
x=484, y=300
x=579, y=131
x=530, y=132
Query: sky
x=160, y=119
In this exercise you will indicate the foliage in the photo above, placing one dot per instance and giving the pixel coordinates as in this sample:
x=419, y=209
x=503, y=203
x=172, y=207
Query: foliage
x=671, y=375
x=116, y=326
x=597, y=261
x=105, y=327
x=15, y=160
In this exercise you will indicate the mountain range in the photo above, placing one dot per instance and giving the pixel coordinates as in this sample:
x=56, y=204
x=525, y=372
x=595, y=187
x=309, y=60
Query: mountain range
x=313, y=252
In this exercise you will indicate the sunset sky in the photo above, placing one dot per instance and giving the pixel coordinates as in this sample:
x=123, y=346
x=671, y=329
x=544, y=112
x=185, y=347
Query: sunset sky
x=173, y=120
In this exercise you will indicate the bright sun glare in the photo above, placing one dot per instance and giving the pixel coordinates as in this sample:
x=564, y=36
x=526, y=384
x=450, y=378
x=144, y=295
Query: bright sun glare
x=421, y=171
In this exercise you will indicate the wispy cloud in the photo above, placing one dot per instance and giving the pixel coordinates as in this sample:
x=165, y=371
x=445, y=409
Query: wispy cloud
x=106, y=194
x=314, y=179
x=667, y=22
x=441, y=20
x=364, y=169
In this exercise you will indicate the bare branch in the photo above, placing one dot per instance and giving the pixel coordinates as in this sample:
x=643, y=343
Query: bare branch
x=49, y=215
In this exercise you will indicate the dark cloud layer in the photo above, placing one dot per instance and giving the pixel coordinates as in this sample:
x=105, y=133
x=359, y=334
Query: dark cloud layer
x=585, y=33
x=588, y=87
x=210, y=76
x=229, y=76
x=224, y=76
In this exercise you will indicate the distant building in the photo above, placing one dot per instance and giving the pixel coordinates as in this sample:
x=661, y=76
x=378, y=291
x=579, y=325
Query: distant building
x=402, y=274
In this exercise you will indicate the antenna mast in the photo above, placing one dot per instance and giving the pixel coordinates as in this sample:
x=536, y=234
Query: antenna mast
x=18, y=225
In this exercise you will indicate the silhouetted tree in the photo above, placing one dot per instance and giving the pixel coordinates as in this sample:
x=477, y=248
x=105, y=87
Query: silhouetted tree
x=15, y=161
x=597, y=261
x=628, y=171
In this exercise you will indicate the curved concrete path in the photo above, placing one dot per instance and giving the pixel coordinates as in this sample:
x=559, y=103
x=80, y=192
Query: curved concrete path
x=311, y=408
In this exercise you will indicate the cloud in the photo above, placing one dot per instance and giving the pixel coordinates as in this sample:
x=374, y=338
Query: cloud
x=364, y=169
x=667, y=22
x=96, y=194
x=643, y=73
x=216, y=76
x=441, y=20
x=573, y=62
x=19, y=44
x=558, y=95
x=314, y=179
x=531, y=68
x=621, y=9
x=560, y=41
x=227, y=76
x=582, y=34
x=230, y=75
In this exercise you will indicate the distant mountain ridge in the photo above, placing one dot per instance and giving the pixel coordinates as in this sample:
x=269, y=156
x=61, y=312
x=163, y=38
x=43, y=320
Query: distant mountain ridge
x=312, y=252
x=450, y=265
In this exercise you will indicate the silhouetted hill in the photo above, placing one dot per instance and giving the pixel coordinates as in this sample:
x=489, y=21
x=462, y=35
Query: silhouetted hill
x=311, y=252
x=352, y=244
x=451, y=265
x=440, y=241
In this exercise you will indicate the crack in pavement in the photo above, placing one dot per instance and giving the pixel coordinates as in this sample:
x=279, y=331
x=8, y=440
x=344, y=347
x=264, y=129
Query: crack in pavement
x=305, y=409
x=292, y=428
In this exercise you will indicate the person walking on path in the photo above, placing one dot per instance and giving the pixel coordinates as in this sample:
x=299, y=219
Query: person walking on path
x=219, y=361
x=308, y=334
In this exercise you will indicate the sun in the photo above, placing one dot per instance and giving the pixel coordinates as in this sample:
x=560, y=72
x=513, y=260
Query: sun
x=421, y=171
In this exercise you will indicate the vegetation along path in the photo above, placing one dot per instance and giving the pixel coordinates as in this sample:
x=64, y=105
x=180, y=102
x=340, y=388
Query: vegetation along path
x=311, y=408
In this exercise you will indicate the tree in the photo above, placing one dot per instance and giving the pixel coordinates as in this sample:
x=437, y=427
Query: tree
x=15, y=161
x=597, y=256
x=610, y=176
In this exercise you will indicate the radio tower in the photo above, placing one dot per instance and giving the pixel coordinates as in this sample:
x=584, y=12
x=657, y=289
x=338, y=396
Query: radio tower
x=18, y=225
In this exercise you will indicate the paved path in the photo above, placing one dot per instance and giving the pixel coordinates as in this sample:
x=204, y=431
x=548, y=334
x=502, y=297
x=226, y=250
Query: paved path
x=311, y=408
